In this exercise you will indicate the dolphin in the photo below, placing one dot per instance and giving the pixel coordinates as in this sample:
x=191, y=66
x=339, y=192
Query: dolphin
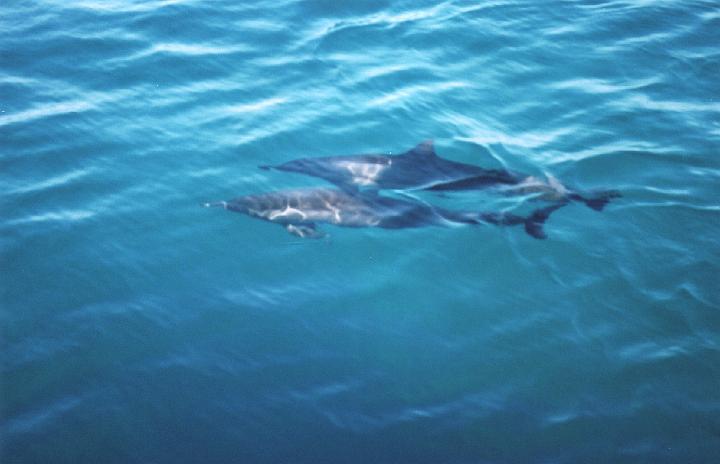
x=420, y=168
x=299, y=211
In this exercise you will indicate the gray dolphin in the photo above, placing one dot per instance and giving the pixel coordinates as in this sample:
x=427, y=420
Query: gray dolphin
x=299, y=211
x=421, y=168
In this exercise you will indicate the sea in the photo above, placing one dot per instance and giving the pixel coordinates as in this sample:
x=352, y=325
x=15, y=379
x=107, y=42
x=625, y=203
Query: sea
x=137, y=326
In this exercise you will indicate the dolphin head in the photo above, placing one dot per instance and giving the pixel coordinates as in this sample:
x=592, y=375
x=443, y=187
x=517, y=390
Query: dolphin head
x=266, y=206
x=245, y=204
x=357, y=170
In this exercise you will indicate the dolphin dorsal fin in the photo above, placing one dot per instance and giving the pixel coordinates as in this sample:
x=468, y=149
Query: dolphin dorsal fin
x=423, y=149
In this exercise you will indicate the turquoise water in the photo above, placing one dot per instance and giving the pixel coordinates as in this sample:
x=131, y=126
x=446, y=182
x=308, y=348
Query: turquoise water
x=138, y=326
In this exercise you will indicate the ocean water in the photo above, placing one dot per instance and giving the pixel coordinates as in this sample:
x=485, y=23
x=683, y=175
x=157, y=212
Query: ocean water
x=138, y=326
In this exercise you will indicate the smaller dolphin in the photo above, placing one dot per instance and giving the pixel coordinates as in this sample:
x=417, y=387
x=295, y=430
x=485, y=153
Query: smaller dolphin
x=420, y=168
x=299, y=211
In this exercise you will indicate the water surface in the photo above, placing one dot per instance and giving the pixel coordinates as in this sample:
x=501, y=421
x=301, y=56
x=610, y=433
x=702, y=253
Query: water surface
x=138, y=326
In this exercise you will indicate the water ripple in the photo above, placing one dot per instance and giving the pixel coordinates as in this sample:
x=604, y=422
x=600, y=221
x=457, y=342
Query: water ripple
x=119, y=6
x=118, y=118
x=45, y=111
x=37, y=420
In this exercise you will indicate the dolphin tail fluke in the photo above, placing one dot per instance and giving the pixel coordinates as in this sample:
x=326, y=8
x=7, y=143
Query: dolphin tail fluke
x=536, y=220
x=266, y=167
x=598, y=201
x=533, y=223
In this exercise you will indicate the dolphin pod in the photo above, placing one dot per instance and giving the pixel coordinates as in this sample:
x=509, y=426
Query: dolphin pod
x=356, y=202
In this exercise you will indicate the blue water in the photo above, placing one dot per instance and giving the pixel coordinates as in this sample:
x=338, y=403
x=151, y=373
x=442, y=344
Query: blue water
x=138, y=326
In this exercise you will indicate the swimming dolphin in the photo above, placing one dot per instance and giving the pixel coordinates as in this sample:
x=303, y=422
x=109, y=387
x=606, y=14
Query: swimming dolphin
x=421, y=168
x=299, y=211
